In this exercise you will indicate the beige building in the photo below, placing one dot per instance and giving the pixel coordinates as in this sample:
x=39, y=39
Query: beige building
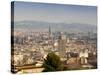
x=83, y=57
x=62, y=45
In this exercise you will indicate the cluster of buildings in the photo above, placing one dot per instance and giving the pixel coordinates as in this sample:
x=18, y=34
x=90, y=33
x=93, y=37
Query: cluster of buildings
x=32, y=48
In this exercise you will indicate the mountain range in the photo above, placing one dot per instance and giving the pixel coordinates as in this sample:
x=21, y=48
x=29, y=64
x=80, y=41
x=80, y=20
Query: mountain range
x=44, y=26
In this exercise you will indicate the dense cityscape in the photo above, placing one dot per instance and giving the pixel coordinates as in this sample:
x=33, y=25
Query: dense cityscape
x=76, y=50
x=47, y=37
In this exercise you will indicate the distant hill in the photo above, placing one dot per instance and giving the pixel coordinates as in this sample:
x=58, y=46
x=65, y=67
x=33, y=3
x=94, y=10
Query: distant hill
x=43, y=26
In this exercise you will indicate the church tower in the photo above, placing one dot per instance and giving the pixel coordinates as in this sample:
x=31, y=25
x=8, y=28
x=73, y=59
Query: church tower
x=49, y=32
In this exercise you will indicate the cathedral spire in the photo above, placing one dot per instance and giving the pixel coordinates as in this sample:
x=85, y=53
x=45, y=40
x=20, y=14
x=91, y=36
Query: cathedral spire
x=49, y=31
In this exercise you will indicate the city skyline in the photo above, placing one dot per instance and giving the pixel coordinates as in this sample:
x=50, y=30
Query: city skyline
x=53, y=37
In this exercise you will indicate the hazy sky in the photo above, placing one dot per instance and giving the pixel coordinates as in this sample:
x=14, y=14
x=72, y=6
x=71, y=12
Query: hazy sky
x=55, y=13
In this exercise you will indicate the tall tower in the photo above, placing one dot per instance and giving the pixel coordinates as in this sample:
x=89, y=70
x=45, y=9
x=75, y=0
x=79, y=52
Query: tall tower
x=89, y=35
x=49, y=32
x=62, y=45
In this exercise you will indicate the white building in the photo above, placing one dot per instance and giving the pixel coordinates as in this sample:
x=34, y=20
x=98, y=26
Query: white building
x=83, y=56
x=18, y=59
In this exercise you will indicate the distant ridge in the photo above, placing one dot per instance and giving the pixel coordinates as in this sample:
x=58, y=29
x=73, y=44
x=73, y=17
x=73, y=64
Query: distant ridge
x=38, y=25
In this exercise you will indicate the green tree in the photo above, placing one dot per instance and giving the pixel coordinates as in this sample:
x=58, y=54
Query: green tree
x=52, y=63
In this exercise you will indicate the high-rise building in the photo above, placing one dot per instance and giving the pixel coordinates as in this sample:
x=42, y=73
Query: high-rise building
x=62, y=45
